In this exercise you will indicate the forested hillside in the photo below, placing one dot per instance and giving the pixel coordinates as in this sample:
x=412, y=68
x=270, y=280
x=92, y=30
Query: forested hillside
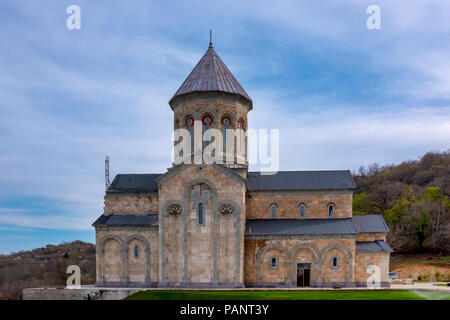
x=414, y=199
x=45, y=267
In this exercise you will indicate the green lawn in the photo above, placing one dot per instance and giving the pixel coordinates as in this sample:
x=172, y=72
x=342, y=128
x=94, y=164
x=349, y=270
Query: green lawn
x=289, y=295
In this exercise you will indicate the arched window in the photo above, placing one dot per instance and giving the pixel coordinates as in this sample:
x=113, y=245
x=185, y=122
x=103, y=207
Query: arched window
x=274, y=262
x=189, y=122
x=136, y=252
x=201, y=214
x=226, y=122
x=200, y=199
x=302, y=210
x=330, y=210
x=335, y=262
x=273, y=210
x=241, y=124
x=240, y=141
x=207, y=121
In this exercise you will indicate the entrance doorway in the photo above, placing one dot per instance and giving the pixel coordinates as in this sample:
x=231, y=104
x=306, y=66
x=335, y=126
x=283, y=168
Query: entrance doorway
x=303, y=274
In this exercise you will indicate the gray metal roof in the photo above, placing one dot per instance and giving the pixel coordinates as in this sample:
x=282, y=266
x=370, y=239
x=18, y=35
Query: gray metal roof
x=373, y=246
x=283, y=180
x=370, y=223
x=125, y=219
x=134, y=183
x=299, y=226
x=211, y=74
x=301, y=180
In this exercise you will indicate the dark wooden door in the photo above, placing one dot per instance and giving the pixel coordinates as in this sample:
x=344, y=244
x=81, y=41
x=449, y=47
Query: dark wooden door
x=303, y=274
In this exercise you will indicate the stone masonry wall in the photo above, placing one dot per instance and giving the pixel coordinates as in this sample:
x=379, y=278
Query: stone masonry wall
x=371, y=236
x=200, y=238
x=364, y=259
x=258, y=204
x=131, y=203
x=299, y=251
x=110, y=239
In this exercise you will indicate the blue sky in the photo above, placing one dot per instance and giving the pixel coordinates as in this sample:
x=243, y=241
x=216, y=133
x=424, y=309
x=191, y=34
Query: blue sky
x=342, y=95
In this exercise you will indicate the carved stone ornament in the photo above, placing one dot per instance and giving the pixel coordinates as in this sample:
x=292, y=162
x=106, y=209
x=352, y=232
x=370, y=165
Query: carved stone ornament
x=174, y=209
x=226, y=209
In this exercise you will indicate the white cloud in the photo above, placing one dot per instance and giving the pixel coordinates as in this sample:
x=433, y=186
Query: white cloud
x=320, y=137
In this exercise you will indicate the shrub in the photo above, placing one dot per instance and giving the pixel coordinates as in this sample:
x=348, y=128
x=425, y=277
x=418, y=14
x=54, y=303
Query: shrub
x=437, y=275
x=423, y=277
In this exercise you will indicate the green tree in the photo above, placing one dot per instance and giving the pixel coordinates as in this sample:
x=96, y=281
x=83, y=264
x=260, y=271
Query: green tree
x=359, y=203
x=437, y=205
x=394, y=215
x=433, y=194
x=420, y=228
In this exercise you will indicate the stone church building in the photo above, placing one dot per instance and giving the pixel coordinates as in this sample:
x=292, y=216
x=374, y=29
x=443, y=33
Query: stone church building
x=219, y=225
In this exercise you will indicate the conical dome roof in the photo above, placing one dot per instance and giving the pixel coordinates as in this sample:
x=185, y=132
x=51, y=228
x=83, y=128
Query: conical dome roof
x=211, y=74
